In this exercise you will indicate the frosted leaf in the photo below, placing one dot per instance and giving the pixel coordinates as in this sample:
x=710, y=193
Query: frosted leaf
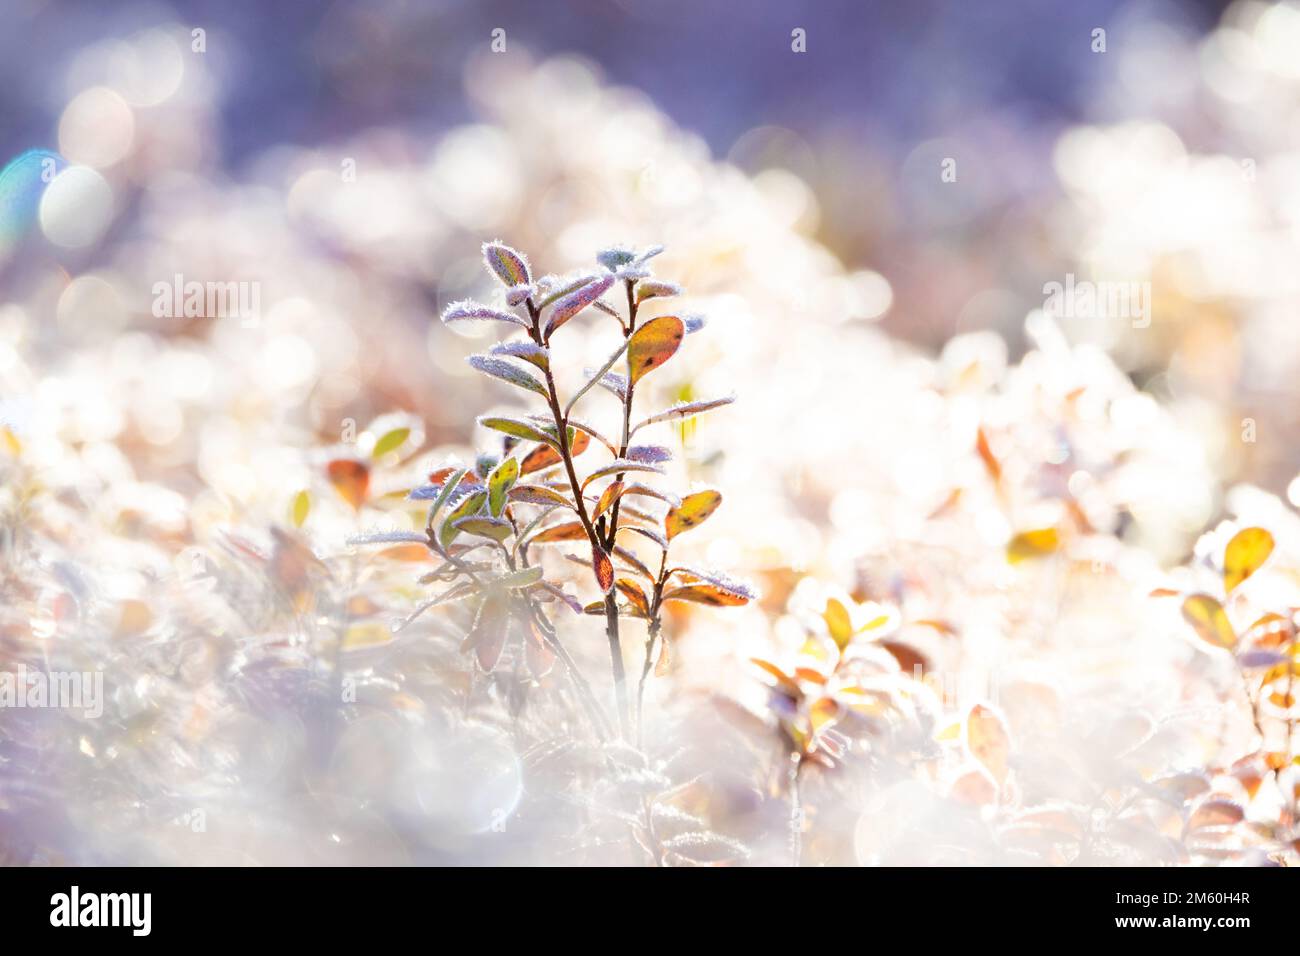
x=619, y=466
x=528, y=351
x=388, y=537
x=468, y=310
x=694, y=323
x=573, y=303
x=505, y=263
x=500, y=368
x=656, y=289
x=650, y=454
x=685, y=410
x=518, y=294
x=613, y=382
x=615, y=257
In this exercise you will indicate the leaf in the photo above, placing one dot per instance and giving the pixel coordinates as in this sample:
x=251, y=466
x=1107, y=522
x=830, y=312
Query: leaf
x=517, y=579
x=656, y=288
x=990, y=460
x=636, y=597
x=529, y=352
x=388, y=537
x=603, y=568
x=685, y=410
x=607, y=498
x=573, y=303
x=988, y=741
x=614, y=383
x=1210, y=621
x=705, y=594
x=471, y=504
x=1032, y=544
x=466, y=310
x=650, y=454
x=692, y=512
x=568, y=531
x=351, y=479
x=538, y=495
x=503, y=370
x=546, y=455
x=718, y=580
x=497, y=529
x=500, y=482
x=301, y=508
x=648, y=492
x=838, y=623
x=506, y=264
x=652, y=345
x=786, y=682
x=1246, y=552
x=518, y=429
x=650, y=533
x=556, y=289
x=620, y=466
x=390, y=441
x=592, y=433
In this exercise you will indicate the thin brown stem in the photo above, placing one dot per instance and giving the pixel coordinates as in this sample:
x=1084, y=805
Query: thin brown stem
x=593, y=537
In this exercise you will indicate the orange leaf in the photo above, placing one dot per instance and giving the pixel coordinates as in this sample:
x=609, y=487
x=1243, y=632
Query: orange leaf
x=607, y=498
x=706, y=594
x=569, y=531
x=988, y=741
x=351, y=479
x=603, y=568
x=632, y=591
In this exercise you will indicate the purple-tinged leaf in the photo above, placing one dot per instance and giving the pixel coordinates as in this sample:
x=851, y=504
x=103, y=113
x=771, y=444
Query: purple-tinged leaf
x=573, y=303
x=467, y=310
x=650, y=454
x=506, y=264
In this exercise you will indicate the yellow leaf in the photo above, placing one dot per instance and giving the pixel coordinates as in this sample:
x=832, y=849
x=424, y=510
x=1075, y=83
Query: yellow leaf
x=693, y=511
x=653, y=344
x=1246, y=552
x=1211, y=623
x=390, y=441
x=301, y=508
x=838, y=622
x=1032, y=544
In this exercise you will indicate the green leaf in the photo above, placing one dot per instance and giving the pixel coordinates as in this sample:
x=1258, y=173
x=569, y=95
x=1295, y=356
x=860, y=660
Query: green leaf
x=503, y=370
x=519, y=429
x=391, y=441
x=498, y=529
x=500, y=482
x=472, y=504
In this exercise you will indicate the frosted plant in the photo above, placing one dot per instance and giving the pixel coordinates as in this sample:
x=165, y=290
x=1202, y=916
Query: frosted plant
x=487, y=523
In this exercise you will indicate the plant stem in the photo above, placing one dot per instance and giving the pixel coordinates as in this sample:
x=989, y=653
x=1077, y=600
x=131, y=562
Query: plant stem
x=796, y=813
x=611, y=605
